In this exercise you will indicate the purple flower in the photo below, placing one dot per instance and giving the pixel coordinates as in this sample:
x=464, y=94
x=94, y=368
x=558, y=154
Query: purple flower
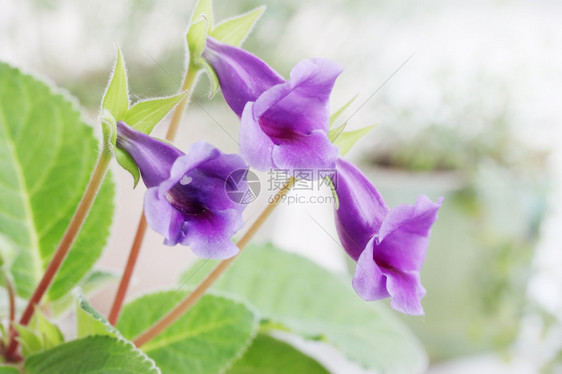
x=389, y=245
x=186, y=200
x=284, y=124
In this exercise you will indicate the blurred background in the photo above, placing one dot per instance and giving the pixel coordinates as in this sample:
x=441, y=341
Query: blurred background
x=467, y=98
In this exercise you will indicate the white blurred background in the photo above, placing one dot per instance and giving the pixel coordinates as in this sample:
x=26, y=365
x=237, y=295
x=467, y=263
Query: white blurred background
x=471, y=110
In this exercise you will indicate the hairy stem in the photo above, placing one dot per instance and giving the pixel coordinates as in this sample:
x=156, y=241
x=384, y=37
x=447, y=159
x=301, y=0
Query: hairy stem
x=188, y=83
x=128, y=272
x=173, y=315
x=64, y=246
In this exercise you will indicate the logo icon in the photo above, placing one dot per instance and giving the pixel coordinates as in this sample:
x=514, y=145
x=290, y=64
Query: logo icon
x=242, y=186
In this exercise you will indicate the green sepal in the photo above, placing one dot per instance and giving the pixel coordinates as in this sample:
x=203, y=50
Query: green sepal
x=338, y=112
x=127, y=163
x=346, y=140
x=196, y=40
x=203, y=8
x=335, y=133
x=116, y=96
x=234, y=30
x=109, y=132
x=213, y=78
x=144, y=115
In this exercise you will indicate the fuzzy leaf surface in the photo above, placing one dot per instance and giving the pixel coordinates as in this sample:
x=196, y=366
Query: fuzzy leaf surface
x=206, y=339
x=47, y=153
x=294, y=294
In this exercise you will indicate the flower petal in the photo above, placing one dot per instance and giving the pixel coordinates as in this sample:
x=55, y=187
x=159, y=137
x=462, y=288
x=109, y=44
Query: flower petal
x=242, y=76
x=214, y=181
x=300, y=105
x=312, y=151
x=162, y=217
x=153, y=157
x=210, y=235
x=197, y=154
x=368, y=281
x=372, y=282
x=404, y=235
x=361, y=209
x=406, y=291
x=255, y=145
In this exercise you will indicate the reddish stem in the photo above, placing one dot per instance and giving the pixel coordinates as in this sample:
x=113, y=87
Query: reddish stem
x=188, y=82
x=127, y=274
x=179, y=310
x=66, y=243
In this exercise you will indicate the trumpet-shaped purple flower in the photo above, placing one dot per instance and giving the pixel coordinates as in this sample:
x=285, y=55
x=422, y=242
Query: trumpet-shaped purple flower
x=186, y=200
x=389, y=245
x=284, y=123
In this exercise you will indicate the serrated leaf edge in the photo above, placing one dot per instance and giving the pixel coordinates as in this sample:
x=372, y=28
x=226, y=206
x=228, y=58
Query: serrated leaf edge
x=81, y=299
x=59, y=93
x=226, y=296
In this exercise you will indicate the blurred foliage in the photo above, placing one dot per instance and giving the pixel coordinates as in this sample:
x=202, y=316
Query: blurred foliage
x=477, y=264
x=453, y=146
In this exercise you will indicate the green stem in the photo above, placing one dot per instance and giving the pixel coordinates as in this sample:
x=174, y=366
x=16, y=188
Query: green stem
x=173, y=315
x=66, y=243
x=188, y=83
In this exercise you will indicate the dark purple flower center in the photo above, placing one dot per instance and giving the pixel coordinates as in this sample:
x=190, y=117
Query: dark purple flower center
x=182, y=198
x=278, y=133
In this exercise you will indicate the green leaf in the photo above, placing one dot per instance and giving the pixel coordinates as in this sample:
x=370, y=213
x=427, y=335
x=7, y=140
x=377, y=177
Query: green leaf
x=346, y=140
x=47, y=332
x=196, y=40
x=89, y=285
x=127, y=163
x=234, y=30
x=305, y=298
x=29, y=341
x=47, y=154
x=9, y=370
x=39, y=335
x=271, y=356
x=206, y=339
x=90, y=322
x=144, y=115
x=96, y=279
x=92, y=355
x=89, y=244
x=116, y=97
x=7, y=255
x=339, y=112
